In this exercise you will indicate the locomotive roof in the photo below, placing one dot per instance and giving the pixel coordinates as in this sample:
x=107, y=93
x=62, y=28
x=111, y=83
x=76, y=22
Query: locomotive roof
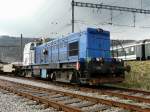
x=91, y=30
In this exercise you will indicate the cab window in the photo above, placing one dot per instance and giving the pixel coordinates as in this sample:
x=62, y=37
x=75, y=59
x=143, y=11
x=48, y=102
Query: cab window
x=32, y=46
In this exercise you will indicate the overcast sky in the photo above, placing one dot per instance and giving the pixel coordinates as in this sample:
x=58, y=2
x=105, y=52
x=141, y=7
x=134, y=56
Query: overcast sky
x=52, y=18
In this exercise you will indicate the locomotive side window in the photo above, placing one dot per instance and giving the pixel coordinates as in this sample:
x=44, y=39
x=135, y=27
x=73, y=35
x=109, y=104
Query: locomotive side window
x=32, y=46
x=73, y=48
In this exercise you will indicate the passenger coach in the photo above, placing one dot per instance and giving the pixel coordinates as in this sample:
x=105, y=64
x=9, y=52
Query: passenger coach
x=139, y=50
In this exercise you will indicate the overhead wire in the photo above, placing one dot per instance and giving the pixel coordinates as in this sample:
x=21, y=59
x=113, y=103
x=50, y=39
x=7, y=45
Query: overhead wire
x=105, y=22
x=62, y=26
x=116, y=16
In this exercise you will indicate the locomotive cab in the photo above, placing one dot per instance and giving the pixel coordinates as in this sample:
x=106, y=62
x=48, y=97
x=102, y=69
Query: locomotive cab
x=28, y=54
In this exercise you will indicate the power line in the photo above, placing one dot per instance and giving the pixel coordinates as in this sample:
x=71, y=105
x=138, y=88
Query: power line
x=112, y=24
x=9, y=46
x=109, y=7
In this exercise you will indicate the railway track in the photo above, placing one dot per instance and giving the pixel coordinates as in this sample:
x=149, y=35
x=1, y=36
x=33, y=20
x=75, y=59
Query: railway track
x=72, y=102
x=132, y=94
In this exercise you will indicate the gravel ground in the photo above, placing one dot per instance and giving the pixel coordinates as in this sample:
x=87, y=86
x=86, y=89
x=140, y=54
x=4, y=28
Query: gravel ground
x=10, y=102
x=65, y=89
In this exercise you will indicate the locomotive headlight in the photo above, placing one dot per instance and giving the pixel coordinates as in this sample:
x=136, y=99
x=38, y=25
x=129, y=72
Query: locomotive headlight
x=97, y=59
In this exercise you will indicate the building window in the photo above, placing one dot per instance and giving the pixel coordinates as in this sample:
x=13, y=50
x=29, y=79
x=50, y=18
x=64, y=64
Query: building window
x=74, y=48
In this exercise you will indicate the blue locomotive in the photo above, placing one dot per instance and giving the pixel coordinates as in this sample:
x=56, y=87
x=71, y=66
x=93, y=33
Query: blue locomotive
x=82, y=58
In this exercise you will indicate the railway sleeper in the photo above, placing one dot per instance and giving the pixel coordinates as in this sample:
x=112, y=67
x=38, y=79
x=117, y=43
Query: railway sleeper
x=66, y=107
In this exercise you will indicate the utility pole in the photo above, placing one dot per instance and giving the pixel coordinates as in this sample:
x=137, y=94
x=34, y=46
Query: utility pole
x=141, y=4
x=21, y=46
x=72, y=15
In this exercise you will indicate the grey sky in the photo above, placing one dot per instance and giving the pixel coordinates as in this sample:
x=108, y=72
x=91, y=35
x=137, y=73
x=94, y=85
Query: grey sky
x=52, y=18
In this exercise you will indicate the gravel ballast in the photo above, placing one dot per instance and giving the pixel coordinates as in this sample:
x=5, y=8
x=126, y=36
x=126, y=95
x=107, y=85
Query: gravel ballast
x=10, y=102
x=66, y=89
